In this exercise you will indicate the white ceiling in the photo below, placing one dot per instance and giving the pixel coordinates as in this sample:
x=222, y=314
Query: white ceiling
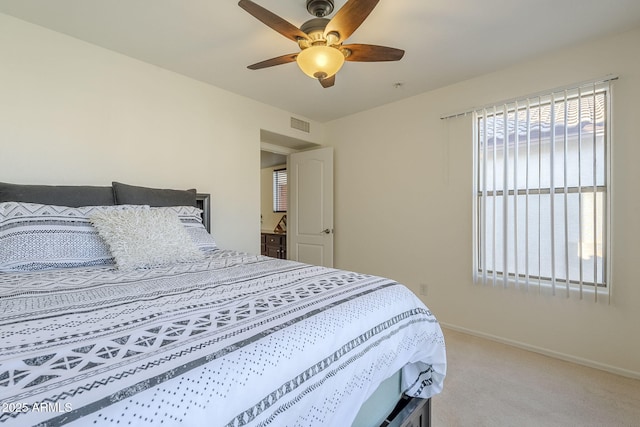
x=446, y=41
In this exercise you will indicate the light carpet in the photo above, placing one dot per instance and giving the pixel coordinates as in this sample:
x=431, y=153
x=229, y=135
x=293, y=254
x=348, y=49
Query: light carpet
x=492, y=384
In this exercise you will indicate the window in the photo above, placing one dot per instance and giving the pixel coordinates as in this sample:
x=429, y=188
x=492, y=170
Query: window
x=280, y=190
x=542, y=186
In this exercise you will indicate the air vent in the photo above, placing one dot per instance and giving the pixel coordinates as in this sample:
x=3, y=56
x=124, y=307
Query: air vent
x=300, y=125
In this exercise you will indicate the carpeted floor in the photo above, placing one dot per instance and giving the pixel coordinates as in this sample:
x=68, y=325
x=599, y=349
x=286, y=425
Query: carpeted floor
x=492, y=384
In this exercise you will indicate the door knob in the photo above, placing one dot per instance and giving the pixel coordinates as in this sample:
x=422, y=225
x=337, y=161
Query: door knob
x=326, y=231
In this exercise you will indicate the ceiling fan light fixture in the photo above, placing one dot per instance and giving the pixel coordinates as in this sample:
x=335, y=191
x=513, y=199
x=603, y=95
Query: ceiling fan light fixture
x=320, y=62
x=320, y=39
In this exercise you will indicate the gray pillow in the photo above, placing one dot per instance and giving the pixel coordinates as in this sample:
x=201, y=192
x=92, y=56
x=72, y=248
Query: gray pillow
x=191, y=218
x=34, y=236
x=59, y=195
x=158, y=197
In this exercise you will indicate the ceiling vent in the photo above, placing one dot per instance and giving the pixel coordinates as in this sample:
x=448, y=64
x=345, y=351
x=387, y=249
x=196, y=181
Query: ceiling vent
x=300, y=125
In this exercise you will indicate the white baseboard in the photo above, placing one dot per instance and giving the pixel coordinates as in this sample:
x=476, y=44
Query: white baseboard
x=566, y=357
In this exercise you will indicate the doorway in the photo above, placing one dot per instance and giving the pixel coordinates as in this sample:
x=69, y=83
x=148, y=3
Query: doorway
x=274, y=150
x=270, y=215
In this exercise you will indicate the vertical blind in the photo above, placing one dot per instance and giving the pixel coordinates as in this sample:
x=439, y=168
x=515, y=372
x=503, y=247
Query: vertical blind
x=542, y=191
x=280, y=190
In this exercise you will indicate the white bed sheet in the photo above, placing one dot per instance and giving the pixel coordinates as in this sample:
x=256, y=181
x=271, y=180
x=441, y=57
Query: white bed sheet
x=234, y=340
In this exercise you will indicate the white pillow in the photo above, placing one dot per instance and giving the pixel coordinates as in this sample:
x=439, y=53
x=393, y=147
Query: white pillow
x=145, y=238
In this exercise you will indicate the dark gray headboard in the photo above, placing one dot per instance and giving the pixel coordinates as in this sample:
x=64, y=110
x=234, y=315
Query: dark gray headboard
x=82, y=195
x=61, y=195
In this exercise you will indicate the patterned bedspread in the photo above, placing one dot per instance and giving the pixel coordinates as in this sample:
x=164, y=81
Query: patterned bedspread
x=234, y=340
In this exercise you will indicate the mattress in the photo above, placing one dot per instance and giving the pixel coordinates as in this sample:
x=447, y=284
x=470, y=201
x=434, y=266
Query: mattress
x=233, y=340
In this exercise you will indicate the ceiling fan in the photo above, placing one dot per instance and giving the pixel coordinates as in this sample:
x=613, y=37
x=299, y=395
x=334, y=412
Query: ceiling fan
x=322, y=52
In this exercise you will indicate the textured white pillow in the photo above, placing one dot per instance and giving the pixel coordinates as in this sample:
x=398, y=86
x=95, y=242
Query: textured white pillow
x=145, y=238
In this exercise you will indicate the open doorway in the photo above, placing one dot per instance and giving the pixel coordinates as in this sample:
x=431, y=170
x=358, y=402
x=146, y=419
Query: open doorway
x=274, y=149
x=273, y=169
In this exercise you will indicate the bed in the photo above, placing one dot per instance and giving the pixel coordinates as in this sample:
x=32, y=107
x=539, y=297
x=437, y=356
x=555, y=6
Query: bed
x=223, y=338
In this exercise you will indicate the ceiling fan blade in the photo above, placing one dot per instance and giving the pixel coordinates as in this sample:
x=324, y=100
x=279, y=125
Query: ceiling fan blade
x=349, y=18
x=284, y=59
x=273, y=21
x=328, y=82
x=372, y=53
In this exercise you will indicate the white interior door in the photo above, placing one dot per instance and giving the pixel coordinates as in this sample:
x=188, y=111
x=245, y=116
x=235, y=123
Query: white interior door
x=310, y=216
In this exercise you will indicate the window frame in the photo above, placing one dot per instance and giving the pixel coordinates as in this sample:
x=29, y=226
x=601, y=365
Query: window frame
x=278, y=201
x=481, y=195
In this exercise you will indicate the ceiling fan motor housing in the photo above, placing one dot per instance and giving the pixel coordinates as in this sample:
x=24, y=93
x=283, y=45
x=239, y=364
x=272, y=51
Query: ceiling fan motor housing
x=320, y=8
x=313, y=26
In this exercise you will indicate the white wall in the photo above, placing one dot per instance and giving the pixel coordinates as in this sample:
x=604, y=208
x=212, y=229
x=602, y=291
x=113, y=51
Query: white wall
x=74, y=113
x=403, y=201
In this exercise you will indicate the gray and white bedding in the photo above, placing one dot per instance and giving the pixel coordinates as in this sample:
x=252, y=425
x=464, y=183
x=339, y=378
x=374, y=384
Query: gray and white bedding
x=231, y=340
x=108, y=318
